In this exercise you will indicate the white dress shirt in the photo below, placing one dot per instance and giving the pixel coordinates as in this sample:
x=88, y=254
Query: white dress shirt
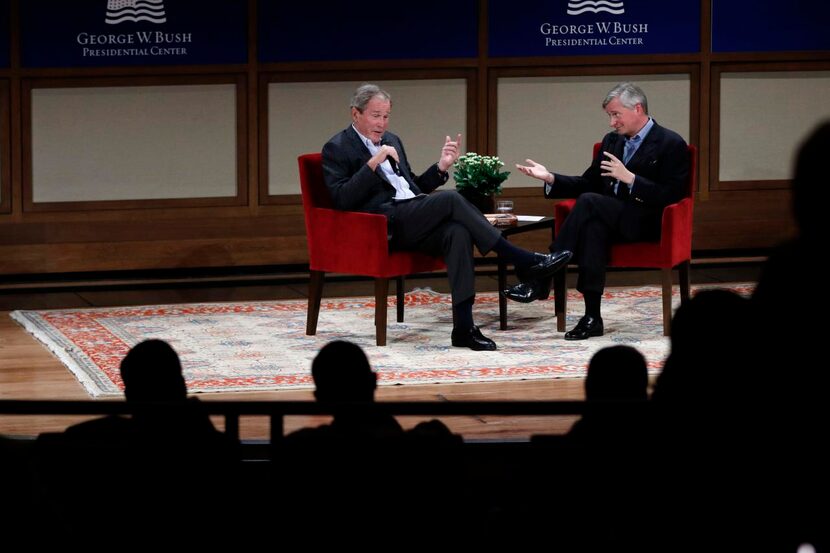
x=402, y=190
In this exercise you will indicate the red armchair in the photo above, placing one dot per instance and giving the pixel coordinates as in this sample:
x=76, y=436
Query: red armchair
x=353, y=243
x=673, y=250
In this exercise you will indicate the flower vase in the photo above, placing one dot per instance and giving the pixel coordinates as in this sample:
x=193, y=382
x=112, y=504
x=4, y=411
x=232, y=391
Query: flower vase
x=484, y=202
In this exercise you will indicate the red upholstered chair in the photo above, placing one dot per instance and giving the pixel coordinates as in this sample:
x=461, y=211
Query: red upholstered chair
x=353, y=243
x=673, y=250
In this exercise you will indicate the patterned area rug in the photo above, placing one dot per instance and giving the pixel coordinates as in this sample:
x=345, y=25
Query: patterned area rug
x=262, y=345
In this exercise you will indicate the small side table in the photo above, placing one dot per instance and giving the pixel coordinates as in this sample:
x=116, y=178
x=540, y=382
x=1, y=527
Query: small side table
x=523, y=226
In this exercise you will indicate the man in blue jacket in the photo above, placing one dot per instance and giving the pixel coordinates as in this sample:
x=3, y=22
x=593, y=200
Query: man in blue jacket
x=640, y=168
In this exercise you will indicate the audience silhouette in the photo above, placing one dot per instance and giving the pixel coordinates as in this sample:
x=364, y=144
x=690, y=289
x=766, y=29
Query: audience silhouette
x=342, y=375
x=363, y=465
x=152, y=374
x=615, y=374
x=710, y=359
x=154, y=469
x=787, y=290
x=789, y=299
x=603, y=456
x=18, y=513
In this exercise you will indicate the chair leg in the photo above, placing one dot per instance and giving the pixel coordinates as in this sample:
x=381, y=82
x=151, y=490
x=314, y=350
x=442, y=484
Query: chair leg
x=685, y=280
x=667, y=288
x=315, y=292
x=381, y=296
x=399, y=287
x=560, y=298
x=502, y=300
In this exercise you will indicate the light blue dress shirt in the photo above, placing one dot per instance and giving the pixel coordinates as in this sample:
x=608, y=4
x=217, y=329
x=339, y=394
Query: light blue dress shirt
x=631, y=146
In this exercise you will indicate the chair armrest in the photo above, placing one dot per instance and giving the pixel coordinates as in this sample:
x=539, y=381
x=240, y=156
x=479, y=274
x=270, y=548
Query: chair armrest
x=340, y=240
x=676, y=230
x=560, y=211
x=677, y=216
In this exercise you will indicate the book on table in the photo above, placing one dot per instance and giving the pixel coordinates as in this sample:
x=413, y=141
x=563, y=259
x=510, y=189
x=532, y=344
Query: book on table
x=502, y=219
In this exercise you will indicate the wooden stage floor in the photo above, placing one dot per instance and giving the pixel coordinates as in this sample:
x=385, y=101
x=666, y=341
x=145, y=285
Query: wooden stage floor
x=29, y=371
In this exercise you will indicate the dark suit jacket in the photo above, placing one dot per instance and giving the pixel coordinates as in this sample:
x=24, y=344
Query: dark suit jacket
x=661, y=165
x=355, y=187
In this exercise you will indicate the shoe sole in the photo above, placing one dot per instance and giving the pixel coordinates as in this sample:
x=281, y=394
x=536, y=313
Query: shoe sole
x=590, y=335
x=474, y=349
x=518, y=300
x=523, y=300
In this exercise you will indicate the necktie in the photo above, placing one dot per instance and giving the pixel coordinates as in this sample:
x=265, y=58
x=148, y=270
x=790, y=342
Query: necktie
x=630, y=147
x=628, y=151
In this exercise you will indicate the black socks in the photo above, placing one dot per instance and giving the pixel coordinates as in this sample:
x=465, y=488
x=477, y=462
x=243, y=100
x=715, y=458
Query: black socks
x=521, y=258
x=463, y=315
x=592, y=304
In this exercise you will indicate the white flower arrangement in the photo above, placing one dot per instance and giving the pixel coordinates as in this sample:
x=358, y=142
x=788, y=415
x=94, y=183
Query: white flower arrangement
x=479, y=173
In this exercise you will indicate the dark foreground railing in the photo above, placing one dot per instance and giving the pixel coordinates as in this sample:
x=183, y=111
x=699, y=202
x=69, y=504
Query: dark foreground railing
x=276, y=411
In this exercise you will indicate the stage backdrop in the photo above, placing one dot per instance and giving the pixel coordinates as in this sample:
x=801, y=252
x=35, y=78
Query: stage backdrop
x=296, y=31
x=93, y=33
x=587, y=27
x=767, y=25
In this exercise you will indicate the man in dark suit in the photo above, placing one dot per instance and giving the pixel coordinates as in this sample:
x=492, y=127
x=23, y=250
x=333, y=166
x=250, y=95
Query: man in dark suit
x=366, y=169
x=640, y=169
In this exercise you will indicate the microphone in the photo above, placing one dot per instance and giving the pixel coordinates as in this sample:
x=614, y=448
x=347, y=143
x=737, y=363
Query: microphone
x=391, y=160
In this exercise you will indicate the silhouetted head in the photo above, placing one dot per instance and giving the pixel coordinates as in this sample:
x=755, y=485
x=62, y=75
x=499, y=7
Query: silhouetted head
x=711, y=319
x=711, y=352
x=341, y=372
x=151, y=371
x=810, y=183
x=615, y=373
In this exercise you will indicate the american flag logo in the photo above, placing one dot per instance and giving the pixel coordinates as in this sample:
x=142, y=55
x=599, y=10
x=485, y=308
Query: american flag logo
x=576, y=7
x=119, y=11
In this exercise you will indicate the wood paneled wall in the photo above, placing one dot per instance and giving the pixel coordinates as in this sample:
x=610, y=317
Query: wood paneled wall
x=256, y=228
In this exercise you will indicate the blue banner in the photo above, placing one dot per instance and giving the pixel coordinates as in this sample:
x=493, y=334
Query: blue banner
x=521, y=28
x=84, y=33
x=331, y=31
x=764, y=25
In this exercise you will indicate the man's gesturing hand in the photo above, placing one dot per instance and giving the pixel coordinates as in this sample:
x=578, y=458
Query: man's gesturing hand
x=449, y=153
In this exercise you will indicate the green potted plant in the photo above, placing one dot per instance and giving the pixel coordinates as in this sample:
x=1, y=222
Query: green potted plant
x=478, y=178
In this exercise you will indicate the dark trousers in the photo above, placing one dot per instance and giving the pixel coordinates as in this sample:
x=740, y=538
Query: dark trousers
x=446, y=225
x=589, y=230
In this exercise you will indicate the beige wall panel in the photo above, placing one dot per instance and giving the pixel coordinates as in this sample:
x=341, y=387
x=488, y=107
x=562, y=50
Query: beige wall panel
x=764, y=117
x=555, y=121
x=303, y=116
x=134, y=142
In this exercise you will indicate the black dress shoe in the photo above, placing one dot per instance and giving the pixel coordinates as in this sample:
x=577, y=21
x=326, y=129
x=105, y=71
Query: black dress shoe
x=526, y=292
x=472, y=338
x=546, y=265
x=586, y=327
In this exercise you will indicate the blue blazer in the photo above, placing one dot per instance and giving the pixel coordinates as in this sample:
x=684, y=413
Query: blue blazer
x=661, y=165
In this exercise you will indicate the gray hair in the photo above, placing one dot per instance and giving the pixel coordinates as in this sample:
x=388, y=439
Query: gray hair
x=366, y=92
x=629, y=94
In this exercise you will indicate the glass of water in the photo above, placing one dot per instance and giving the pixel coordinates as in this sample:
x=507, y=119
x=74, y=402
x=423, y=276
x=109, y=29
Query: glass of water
x=504, y=207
